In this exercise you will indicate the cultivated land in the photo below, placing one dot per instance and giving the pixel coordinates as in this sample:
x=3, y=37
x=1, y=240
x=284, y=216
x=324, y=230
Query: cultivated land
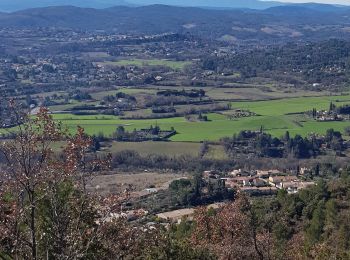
x=160, y=148
x=275, y=116
x=172, y=149
x=175, y=65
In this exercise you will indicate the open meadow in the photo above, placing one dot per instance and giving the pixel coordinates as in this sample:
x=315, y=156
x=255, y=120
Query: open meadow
x=175, y=65
x=275, y=116
x=171, y=149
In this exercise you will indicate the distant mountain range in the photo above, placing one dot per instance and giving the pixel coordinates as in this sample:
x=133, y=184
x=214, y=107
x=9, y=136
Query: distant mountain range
x=282, y=23
x=251, y=4
x=15, y=5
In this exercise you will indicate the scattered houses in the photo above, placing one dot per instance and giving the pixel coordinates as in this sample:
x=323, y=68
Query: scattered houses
x=262, y=182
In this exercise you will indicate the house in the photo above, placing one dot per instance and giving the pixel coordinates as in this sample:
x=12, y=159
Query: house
x=267, y=173
x=289, y=183
x=290, y=186
x=211, y=175
x=176, y=215
x=240, y=172
x=152, y=190
x=258, y=182
x=304, y=170
x=238, y=182
x=295, y=186
x=277, y=180
x=263, y=174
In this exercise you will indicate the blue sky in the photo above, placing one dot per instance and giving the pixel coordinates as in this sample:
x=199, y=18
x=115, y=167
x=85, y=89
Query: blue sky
x=344, y=2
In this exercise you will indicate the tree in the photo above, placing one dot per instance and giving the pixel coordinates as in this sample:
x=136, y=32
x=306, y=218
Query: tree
x=231, y=233
x=95, y=144
x=43, y=198
x=155, y=130
x=286, y=136
x=203, y=149
x=120, y=133
x=347, y=130
x=315, y=229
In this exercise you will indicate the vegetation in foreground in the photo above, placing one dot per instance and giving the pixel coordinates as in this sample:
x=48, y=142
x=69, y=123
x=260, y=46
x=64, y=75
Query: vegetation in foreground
x=47, y=212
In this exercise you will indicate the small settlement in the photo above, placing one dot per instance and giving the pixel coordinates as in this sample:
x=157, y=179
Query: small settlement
x=262, y=182
x=254, y=183
x=251, y=182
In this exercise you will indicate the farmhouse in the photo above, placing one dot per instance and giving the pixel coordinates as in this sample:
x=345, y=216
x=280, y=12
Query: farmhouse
x=277, y=181
x=267, y=173
x=290, y=183
x=211, y=175
x=241, y=172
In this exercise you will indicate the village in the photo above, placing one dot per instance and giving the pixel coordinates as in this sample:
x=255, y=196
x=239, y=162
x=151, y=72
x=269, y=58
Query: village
x=335, y=113
x=263, y=182
x=254, y=183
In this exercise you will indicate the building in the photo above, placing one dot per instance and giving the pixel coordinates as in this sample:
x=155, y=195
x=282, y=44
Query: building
x=238, y=181
x=289, y=183
x=277, y=181
x=176, y=215
x=267, y=173
x=240, y=172
x=211, y=175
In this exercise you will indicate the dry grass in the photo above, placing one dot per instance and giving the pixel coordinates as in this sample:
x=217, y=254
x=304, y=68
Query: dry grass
x=118, y=182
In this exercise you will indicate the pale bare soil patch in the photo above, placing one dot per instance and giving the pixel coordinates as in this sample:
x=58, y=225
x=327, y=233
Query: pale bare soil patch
x=119, y=182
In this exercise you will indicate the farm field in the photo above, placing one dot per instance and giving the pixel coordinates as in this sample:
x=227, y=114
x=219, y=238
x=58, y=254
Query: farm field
x=159, y=148
x=172, y=149
x=291, y=105
x=175, y=65
x=241, y=92
x=275, y=116
x=130, y=91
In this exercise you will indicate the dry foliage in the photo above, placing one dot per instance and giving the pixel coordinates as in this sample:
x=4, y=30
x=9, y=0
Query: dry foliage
x=231, y=233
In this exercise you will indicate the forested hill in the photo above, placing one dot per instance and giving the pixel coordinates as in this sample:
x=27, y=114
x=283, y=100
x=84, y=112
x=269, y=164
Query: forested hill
x=324, y=62
x=287, y=23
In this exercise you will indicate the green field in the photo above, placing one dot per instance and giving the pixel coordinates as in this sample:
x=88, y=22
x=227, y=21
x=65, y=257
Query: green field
x=130, y=91
x=274, y=116
x=292, y=105
x=159, y=148
x=172, y=149
x=175, y=65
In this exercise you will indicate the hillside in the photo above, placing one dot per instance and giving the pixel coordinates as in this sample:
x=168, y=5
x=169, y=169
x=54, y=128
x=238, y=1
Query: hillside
x=278, y=23
x=252, y=4
x=15, y=5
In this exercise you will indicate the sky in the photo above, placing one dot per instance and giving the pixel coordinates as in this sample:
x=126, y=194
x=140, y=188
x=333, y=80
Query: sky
x=344, y=2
